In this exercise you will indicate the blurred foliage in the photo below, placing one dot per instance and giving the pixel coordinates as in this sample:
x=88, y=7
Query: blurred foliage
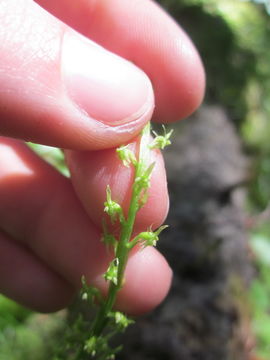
x=260, y=290
x=231, y=36
x=52, y=155
x=266, y=3
x=11, y=314
x=26, y=335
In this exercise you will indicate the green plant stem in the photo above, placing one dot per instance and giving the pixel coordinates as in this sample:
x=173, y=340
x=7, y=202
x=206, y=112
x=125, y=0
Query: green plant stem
x=122, y=255
x=125, y=236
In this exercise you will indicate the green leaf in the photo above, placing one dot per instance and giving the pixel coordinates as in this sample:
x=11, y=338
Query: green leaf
x=261, y=247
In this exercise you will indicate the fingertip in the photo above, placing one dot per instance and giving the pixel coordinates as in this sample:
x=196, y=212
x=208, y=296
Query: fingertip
x=49, y=304
x=181, y=89
x=151, y=39
x=147, y=282
x=61, y=89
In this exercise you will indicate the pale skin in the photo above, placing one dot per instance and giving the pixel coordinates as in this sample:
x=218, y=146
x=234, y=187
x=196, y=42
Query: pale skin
x=59, y=88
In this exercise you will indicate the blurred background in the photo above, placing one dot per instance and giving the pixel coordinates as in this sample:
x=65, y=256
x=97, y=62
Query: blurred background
x=219, y=178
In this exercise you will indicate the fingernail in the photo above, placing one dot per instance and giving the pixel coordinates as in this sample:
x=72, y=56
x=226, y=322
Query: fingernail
x=103, y=85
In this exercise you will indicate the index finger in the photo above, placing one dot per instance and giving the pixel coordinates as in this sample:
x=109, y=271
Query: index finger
x=143, y=33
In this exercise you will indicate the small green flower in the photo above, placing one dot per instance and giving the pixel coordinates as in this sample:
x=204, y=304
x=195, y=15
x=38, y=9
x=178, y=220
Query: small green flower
x=147, y=238
x=98, y=348
x=161, y=141
x=112, y=208
x=112, y=273
x=126, y=155
x=90, y=293
x=91, y=345
x=121, y=320
x=150, y=238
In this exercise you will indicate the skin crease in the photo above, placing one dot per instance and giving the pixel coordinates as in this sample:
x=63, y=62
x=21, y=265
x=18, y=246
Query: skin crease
x=49, y=225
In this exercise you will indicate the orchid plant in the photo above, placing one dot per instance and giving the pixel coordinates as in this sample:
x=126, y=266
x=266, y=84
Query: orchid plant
x=107, y=321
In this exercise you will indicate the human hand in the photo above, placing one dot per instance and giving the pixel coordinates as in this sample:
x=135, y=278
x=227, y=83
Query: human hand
x=60, y=89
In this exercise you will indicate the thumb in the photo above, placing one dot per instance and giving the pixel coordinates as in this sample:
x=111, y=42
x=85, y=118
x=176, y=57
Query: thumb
x=61, y=89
